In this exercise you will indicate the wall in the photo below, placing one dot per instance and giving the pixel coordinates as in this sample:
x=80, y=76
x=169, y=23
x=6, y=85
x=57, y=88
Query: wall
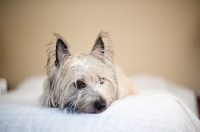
x=154, y=37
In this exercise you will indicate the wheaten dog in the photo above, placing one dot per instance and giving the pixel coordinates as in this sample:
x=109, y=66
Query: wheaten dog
x=83, y=83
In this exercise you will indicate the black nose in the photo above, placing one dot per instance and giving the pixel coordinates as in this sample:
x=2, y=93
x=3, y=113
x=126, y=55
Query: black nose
x=100, y=106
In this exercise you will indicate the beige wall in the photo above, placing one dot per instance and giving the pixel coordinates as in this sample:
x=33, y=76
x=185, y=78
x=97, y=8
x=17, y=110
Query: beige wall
x=155, y=37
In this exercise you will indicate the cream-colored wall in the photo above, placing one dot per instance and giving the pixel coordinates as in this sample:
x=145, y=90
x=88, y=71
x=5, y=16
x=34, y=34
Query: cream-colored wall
x=155, y=37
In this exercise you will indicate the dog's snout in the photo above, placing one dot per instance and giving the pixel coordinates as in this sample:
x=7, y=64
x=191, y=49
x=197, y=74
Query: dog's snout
x=100, y=106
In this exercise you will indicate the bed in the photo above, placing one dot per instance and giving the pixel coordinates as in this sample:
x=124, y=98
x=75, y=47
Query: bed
x=160, y=105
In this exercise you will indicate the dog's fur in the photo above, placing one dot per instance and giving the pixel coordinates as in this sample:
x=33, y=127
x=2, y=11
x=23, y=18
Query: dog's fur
x=83, y=83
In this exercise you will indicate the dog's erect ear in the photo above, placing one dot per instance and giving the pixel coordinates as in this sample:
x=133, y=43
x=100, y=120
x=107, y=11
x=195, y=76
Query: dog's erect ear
x=99, y=46
x=61, y=50
x=102, y=46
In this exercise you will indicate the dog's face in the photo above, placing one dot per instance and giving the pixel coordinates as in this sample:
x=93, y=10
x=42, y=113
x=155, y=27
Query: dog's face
x=81, y=83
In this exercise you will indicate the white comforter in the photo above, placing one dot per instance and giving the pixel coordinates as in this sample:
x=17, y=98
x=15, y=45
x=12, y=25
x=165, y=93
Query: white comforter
x=139, y=113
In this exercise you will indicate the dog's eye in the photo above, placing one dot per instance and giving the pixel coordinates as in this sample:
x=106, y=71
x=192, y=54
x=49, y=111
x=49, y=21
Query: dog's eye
x=101, y=80
x=80, y=84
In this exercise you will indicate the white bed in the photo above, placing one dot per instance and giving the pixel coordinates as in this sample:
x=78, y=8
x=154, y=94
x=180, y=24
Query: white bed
x=160, y=106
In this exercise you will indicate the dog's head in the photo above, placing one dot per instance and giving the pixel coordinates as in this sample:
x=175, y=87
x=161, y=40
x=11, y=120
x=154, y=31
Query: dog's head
x=81, y=82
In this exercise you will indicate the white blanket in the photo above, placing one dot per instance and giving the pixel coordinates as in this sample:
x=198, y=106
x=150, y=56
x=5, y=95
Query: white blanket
x=149, y=84
x=139, y=113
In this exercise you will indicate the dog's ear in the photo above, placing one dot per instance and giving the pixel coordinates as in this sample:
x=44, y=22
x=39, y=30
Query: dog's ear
x=102, y=46
x=99, y=46
x=61, y=50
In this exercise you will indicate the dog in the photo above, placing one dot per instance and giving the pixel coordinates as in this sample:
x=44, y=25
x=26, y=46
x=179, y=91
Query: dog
x=83, y=83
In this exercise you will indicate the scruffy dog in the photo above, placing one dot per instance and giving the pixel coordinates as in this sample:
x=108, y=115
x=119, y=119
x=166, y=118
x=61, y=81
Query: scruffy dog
x=83, y=83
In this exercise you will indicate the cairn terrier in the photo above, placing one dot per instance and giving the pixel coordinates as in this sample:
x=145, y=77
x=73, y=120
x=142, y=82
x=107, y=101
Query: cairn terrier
x=83, y=83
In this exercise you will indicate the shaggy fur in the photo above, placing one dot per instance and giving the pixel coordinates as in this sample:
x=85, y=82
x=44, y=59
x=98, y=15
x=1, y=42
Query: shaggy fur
x=83, y=83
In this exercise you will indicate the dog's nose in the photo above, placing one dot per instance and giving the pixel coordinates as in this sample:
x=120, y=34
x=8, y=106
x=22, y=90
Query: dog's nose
x=100, y=106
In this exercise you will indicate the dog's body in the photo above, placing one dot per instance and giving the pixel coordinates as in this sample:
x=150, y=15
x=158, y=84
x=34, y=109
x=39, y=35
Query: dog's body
x=83, y=83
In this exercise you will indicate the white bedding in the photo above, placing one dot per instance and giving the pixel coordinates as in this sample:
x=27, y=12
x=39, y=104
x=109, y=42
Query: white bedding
x=144, y=112
x=149, y=84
